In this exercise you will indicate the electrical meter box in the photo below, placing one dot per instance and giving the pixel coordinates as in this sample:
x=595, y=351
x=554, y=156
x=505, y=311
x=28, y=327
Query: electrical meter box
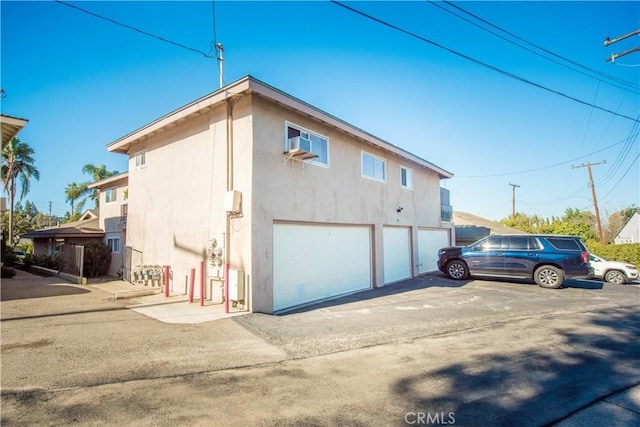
x=233, y=201
x=236, y=285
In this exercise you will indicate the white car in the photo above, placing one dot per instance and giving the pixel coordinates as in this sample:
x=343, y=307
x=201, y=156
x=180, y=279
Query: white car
x=613, y=271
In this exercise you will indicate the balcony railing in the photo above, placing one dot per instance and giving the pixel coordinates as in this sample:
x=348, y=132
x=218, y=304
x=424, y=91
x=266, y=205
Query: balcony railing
x=123, y=214
x=446, y=213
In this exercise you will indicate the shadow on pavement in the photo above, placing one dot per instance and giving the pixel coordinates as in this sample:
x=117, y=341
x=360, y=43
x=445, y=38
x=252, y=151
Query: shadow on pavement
x=13, y=289
x=429, y=280
x=533, y=387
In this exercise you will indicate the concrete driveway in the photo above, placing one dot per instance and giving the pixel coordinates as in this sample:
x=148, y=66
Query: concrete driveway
x=477, y=353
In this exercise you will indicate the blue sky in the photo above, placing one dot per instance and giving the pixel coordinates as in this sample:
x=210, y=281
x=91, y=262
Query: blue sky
x=84, y=82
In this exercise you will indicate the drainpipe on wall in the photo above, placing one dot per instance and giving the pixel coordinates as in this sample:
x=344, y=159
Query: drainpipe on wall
x=229, y=102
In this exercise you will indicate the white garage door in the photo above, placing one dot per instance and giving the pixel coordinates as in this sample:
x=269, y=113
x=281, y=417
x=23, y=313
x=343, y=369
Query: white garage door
x=397, y=254
x=313, y=262
x=429, y=242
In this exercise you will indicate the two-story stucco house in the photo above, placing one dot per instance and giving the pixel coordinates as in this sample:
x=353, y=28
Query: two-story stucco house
x=112, y=217
x=298, y=205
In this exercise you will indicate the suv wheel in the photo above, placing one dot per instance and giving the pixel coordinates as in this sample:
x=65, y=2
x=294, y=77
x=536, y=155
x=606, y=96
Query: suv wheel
x=615, y=276
x=548, y=276
x=457, y=270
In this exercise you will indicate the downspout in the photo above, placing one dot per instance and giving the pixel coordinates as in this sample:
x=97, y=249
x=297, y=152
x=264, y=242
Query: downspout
x=229, y=103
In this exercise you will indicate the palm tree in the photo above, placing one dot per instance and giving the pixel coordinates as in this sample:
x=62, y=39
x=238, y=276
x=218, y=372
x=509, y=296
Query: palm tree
x=17, y=165
x=74, y=191
x=98, y=173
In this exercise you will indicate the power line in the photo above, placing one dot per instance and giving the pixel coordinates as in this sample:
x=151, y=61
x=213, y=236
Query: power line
x=162, y=39
x=476, y=61
x=622, y=177
x=579, y=24
x=624, y=152
x=599, y=73
x=544, y=167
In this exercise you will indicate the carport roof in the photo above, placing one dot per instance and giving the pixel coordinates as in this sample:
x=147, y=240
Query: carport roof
x=83, y=228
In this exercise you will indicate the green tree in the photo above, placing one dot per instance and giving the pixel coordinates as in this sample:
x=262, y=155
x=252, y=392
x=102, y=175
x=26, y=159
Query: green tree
x=24, y=220
x=74, y=191
x=97, y=173
x=529, y=224
x=17, y=166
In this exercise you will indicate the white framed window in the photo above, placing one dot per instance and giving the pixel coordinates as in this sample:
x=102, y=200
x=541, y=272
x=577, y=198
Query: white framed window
x=312, y=142
x=114, y=244
x=374, y=167
x=141, y=159
x=110, y=195
x=406, y=178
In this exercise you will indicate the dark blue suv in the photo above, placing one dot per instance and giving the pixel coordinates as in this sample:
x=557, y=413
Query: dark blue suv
x=547, y=259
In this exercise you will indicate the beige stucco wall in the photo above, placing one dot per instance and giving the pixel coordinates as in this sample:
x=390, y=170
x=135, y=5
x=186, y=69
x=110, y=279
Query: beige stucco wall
x=176, y=202
x=291, y=191
x=110, y=221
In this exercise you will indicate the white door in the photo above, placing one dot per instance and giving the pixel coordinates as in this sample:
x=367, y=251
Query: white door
x=429, y=242
x=314, y=262
x=397, y=253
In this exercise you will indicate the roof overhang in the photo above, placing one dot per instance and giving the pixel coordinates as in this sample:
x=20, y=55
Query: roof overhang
x=62, y=232
x=109, y=180
x=11, y=126
x=249, y=84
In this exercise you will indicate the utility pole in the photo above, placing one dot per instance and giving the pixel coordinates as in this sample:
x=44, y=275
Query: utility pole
x=513, y=200
x=593, y=194
x=614, y=56
x=49, y=214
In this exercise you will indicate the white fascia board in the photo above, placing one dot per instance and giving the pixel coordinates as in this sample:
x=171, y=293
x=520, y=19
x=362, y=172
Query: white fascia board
x=122, y=145
x=108, y=180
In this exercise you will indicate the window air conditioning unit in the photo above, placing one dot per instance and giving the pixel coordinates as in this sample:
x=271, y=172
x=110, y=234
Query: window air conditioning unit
x=298, y=144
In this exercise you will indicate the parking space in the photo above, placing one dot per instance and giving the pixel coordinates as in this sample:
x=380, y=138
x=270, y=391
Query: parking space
x=426, y=306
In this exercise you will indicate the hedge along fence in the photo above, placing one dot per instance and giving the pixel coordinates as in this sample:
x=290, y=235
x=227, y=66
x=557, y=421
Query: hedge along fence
x=90, y=260
x=628, y=252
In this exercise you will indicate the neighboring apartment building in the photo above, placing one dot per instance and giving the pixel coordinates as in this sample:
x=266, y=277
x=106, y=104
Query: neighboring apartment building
x=630, y=233
x=112, y=199
x=302, y=205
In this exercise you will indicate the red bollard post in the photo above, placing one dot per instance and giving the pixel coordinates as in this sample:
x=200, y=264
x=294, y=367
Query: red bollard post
x=201, y=283
x=166, y=281
x=192, y=281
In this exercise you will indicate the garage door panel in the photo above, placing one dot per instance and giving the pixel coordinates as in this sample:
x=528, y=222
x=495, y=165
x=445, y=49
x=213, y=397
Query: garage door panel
x=429, y=242
x=313, y=262
x=397, y=253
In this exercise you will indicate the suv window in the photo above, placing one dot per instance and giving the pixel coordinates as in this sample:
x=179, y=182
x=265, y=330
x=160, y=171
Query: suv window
x=567, y=243
x=492, y=243
x=521, y=243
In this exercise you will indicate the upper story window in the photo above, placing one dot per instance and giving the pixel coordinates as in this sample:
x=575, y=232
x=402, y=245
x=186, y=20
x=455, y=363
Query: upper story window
x=141, y=159
x=406, y=178
x=309, y=141
x=374, y=167
x=110, y=195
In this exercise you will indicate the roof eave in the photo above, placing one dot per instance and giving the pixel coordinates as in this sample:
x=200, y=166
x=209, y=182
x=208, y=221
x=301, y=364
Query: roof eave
x=251, y=84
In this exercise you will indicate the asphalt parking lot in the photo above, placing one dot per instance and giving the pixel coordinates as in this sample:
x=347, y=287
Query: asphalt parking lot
x=426, y=306
x=488, y=352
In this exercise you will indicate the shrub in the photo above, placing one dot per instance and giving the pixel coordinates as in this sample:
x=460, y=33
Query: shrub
x=628, y=252
x=97, y=257
x=46, y=261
